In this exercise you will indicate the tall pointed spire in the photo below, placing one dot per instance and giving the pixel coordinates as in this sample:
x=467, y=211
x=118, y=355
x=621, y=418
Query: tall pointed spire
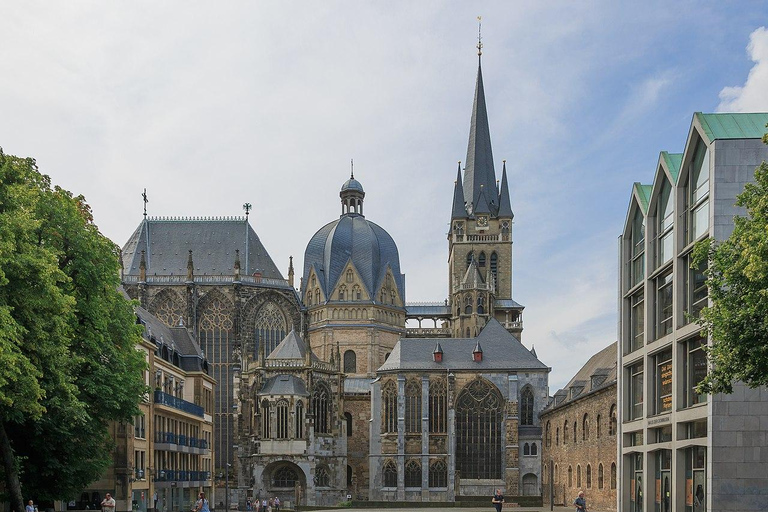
x=459, y=211
x=479, y=165
x=505, y=205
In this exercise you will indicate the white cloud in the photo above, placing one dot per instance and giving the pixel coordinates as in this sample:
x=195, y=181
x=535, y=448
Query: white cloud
x=753, y=95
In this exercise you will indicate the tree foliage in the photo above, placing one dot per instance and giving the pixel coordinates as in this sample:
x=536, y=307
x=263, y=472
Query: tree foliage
x=68, y=357
x=737, y=278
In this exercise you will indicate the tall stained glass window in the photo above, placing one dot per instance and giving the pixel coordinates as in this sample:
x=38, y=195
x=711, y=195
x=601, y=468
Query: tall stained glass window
x=479, y=413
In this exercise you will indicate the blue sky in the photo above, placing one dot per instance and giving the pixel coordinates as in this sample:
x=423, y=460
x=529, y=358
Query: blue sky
x=209, y=108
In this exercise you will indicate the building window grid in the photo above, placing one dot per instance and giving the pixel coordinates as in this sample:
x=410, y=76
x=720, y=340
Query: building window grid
x=663, y=381
x=635, y=410
x=694, y=371
x=664, y=304
x=637, y=237
x=321, y=409
x=299, y=430
x=282, y=431
x=479, y=414
x=697, y=194
x=526, y=406
x=265, y=420
x=438, y=474
x=413, y=473
x=665, y=218
x=636, y=321
x=390, y=474
x=695, y=286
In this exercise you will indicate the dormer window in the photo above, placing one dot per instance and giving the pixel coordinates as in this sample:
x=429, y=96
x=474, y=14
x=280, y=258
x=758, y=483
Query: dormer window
x=437, y=355
x=477, y=353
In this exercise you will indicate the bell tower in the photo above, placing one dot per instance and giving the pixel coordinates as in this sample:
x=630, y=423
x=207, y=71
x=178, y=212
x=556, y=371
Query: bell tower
x=480, y=238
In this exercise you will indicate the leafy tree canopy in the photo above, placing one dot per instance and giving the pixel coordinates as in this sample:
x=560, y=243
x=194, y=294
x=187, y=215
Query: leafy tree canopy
x=737, y=278
x=68, y=357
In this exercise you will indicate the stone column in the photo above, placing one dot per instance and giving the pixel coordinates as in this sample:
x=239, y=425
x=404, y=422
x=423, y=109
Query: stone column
x=401, y=437
x=425, y=438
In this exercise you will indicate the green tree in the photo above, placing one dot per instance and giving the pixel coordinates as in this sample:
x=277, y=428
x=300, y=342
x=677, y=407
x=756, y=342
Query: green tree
x=68, y=358
x=737, y=278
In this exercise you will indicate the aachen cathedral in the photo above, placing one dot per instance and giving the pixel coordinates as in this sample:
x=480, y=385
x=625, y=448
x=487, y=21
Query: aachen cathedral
x=322, y=391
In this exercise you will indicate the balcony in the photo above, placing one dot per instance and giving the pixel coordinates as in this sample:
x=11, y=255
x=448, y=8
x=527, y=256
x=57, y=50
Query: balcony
x=181, y=478
x=177, y=403
x=169, y=441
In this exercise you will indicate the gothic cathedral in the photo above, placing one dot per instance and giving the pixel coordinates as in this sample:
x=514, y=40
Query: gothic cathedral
x=329, y=390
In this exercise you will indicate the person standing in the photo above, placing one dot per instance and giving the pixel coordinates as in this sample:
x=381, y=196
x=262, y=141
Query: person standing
x=108, y=503
x=498, y=500
x=580, y=502
x=30, y=507
x=277, y=504
x=202, y=504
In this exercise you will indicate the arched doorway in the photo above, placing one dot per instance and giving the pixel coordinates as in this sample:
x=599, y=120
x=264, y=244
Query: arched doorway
x=530, y=485
x=285, y=480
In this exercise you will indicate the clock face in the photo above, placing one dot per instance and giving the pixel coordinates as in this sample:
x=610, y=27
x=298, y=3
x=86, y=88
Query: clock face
x=482, y=221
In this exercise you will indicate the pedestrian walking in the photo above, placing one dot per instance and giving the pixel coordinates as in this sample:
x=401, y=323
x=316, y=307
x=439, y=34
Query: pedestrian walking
x=201, y=505
x=30, y=507
x=277, y=504
x=108, y=503
x=498, y=500
x=580, y=502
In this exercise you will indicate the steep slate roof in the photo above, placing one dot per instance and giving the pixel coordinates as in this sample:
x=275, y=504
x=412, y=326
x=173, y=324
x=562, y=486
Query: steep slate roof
x=177, y=339
x=357, y=385
x=478, y=168
x=212, y=241
x=505, y=206
x=501, y=351
x=367, y=244
x=733, y=125
x=459, y=210
x=292, y=347
x=284, y=385
x=599, y=372
x=673, y=161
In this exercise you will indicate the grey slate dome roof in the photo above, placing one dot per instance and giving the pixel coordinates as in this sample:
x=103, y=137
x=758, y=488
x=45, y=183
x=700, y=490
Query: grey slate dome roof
x=352, y=237
x=352, y=184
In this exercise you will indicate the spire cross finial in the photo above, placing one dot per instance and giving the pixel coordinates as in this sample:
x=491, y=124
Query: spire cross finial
x=247, y=207
x=479, y=36
x=144, y=196
x=351, y=168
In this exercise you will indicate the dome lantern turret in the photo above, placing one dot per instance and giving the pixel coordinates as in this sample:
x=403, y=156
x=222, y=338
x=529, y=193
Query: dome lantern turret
x=352, y=195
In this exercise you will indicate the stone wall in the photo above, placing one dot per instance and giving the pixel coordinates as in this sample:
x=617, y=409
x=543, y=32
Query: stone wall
x=592, y=451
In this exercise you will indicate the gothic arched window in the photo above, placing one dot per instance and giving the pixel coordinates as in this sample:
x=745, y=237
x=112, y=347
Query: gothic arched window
x=321, y=408
x=438, y=406
x=526, y=406
x=470, y=257
x=350, y=362
x=282, y=420
x=557, y=436
x=534, y=449
x=285, y=477
x=589, y=476
x=570, y=476
x=585, y=428
x=613, y=475
x=348, y=420
x=548, y=435
x=526, y=449
x=270, y=326
x=265, y=419
x=390, y=474
x=468, y=305
x=349, y=275
x=480, y=305
x=578, y=475
x=389, y=400
x=413, y=473
x=479, y=414
x=565, y=432
x=413, y=406
x=597, y=427
x=322, y=478
x=217, y=340
x=481, y=259
x=299, y=420
x=438, y=474
x=356, y=295
x=600, y=476
x=342, y=292
x=612, y=419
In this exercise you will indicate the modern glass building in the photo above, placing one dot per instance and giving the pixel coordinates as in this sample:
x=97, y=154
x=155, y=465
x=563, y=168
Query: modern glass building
x=680, y=450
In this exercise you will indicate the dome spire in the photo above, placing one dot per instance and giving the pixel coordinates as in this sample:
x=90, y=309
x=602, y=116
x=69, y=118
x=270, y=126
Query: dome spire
x=352, y=168
x=352, y=194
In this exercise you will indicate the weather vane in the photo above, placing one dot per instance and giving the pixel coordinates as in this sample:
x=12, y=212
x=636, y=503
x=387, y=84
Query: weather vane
x=144, y=195
x=479, y=36
x=247, y=207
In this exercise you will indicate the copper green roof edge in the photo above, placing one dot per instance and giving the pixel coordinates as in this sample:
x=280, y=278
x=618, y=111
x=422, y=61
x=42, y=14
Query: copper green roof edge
x=733, y=125
x=673, y=161
x=644, y=195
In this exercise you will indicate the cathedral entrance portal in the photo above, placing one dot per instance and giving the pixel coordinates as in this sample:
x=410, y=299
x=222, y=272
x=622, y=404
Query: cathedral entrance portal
x=285, y=480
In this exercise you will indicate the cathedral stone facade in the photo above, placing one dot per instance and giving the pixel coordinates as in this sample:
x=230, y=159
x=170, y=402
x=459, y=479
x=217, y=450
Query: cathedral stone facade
x=328, y=390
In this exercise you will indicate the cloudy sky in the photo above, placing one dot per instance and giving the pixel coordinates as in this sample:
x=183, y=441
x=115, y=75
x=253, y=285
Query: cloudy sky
x=211, y=107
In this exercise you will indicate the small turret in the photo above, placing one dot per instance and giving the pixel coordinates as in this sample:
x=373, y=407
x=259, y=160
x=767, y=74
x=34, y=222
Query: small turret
x=477, y=353
x=190, y=268
x=290, y=271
